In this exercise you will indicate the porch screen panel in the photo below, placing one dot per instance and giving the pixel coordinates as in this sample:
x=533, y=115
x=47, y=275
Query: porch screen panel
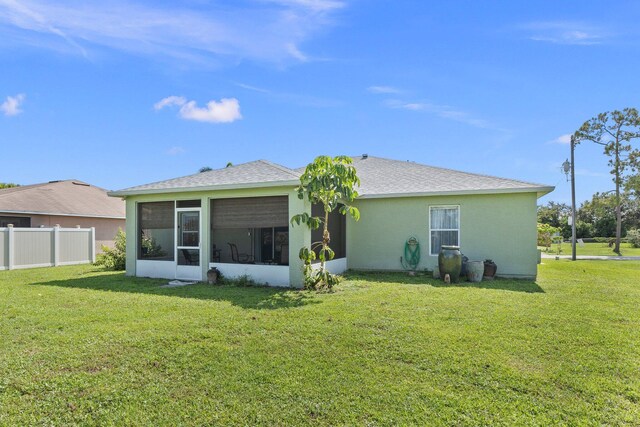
x=156, y=232
x=250, y=212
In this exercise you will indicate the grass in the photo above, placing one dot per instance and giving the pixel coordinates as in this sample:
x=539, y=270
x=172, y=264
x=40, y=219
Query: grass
x=80, y=346
x=595, y=249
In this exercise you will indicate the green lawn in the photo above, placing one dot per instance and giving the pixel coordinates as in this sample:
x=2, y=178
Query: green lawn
x=596, y=249
x=86, y=347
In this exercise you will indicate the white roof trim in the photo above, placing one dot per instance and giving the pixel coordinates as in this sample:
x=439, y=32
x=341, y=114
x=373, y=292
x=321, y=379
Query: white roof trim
x=60, y=214
x=125, y=193
x=541, y=191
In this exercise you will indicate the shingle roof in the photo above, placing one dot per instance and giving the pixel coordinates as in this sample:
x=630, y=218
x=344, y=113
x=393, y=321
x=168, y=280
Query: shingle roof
x=379, y=178
x=69, y=197
x=384, y=178
x=259, y=173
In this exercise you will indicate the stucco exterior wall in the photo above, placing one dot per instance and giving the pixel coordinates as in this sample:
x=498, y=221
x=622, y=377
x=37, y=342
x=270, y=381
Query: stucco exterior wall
x=106, y=228
x=501, y=227
x=298, y=236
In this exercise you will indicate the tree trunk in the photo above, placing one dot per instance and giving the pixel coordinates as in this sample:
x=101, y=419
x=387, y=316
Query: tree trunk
x=325, y=240
x=616, y=249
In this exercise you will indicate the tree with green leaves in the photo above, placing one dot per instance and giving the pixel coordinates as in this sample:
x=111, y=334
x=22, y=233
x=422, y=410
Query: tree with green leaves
x=615, y=131
x=8, y=185
x=331, y=183
x=556, y=215
x=600, y=212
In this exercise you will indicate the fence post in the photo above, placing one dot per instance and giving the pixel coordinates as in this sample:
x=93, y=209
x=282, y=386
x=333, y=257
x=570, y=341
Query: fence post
x=56, y=245
x=92, y=250
x=10, y=247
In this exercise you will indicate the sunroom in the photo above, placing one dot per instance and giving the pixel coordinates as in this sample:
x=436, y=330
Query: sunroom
x=239, y=236
x=250, y=236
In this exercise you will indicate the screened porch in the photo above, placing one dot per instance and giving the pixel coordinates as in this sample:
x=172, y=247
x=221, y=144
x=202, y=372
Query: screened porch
x=252, y=230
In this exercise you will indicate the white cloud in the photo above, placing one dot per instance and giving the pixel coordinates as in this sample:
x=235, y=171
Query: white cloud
x=317, y=5
x=11, y=106
x=383, y=89
x=226, y=110
x=174, y=151
x=562, y=139
x=253, y=88
x=296, y=53
x=168, y=101
x=266, y=30
x=443, y=111
x=569, y=33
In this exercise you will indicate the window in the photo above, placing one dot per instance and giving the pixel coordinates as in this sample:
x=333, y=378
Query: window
x=156, y=233
x=17, y=221
x=444, y=227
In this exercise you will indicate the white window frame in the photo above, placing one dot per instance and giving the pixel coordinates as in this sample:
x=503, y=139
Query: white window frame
x=444, y=229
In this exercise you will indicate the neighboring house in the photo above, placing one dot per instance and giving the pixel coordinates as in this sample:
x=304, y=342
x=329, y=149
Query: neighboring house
x=237, y=219
x=67, y=203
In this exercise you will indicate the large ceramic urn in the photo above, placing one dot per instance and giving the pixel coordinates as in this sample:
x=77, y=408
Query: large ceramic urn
x=450, y=262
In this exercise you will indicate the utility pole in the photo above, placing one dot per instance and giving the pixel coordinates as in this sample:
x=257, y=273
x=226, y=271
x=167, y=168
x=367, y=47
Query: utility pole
x=569, y=167
x=573, y=200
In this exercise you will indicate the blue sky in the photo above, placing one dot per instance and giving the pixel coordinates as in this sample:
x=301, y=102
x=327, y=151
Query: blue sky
x=120, y=93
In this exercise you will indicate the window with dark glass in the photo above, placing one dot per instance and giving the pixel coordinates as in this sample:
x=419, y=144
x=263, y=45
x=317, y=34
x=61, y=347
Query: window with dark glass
x=156, y=231
x=17, y=221
x=188, y=203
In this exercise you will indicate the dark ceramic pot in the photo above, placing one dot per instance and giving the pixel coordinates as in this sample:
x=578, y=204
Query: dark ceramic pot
x=463, y=271
x=212, y=276
x=450, y=262
x=490, y=269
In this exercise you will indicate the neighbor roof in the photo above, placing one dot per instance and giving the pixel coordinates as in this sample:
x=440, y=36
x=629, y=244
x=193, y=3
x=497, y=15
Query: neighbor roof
x=66, y=198
x=379, y=178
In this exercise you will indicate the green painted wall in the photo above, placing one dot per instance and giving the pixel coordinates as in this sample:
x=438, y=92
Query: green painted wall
x=298, y=236
x=498, y=226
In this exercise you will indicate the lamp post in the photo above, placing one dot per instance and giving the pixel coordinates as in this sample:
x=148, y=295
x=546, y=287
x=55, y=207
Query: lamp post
x=568, y=167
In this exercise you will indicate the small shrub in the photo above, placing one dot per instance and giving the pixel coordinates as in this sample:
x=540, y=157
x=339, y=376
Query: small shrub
x=546, y=234
x=244, y=280
x=114, y=258
x=317, y=279
x=150, y=248
x=633, y=236
x=584, y=230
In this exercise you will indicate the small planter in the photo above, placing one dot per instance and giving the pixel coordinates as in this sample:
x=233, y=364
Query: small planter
x=490, y=269
x=475, y=270
x=212, y=276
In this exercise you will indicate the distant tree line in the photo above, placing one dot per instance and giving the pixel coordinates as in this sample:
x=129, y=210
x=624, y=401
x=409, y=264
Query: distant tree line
x=595, y=217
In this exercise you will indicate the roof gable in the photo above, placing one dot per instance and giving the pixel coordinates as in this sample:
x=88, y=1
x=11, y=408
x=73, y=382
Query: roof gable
x=253, y=174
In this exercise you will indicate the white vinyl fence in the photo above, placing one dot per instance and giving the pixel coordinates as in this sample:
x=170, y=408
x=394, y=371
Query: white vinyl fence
x=46, y=247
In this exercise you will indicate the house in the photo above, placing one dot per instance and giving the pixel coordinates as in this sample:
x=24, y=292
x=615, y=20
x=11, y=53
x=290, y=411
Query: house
x=237, y=220
x=67, y=203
